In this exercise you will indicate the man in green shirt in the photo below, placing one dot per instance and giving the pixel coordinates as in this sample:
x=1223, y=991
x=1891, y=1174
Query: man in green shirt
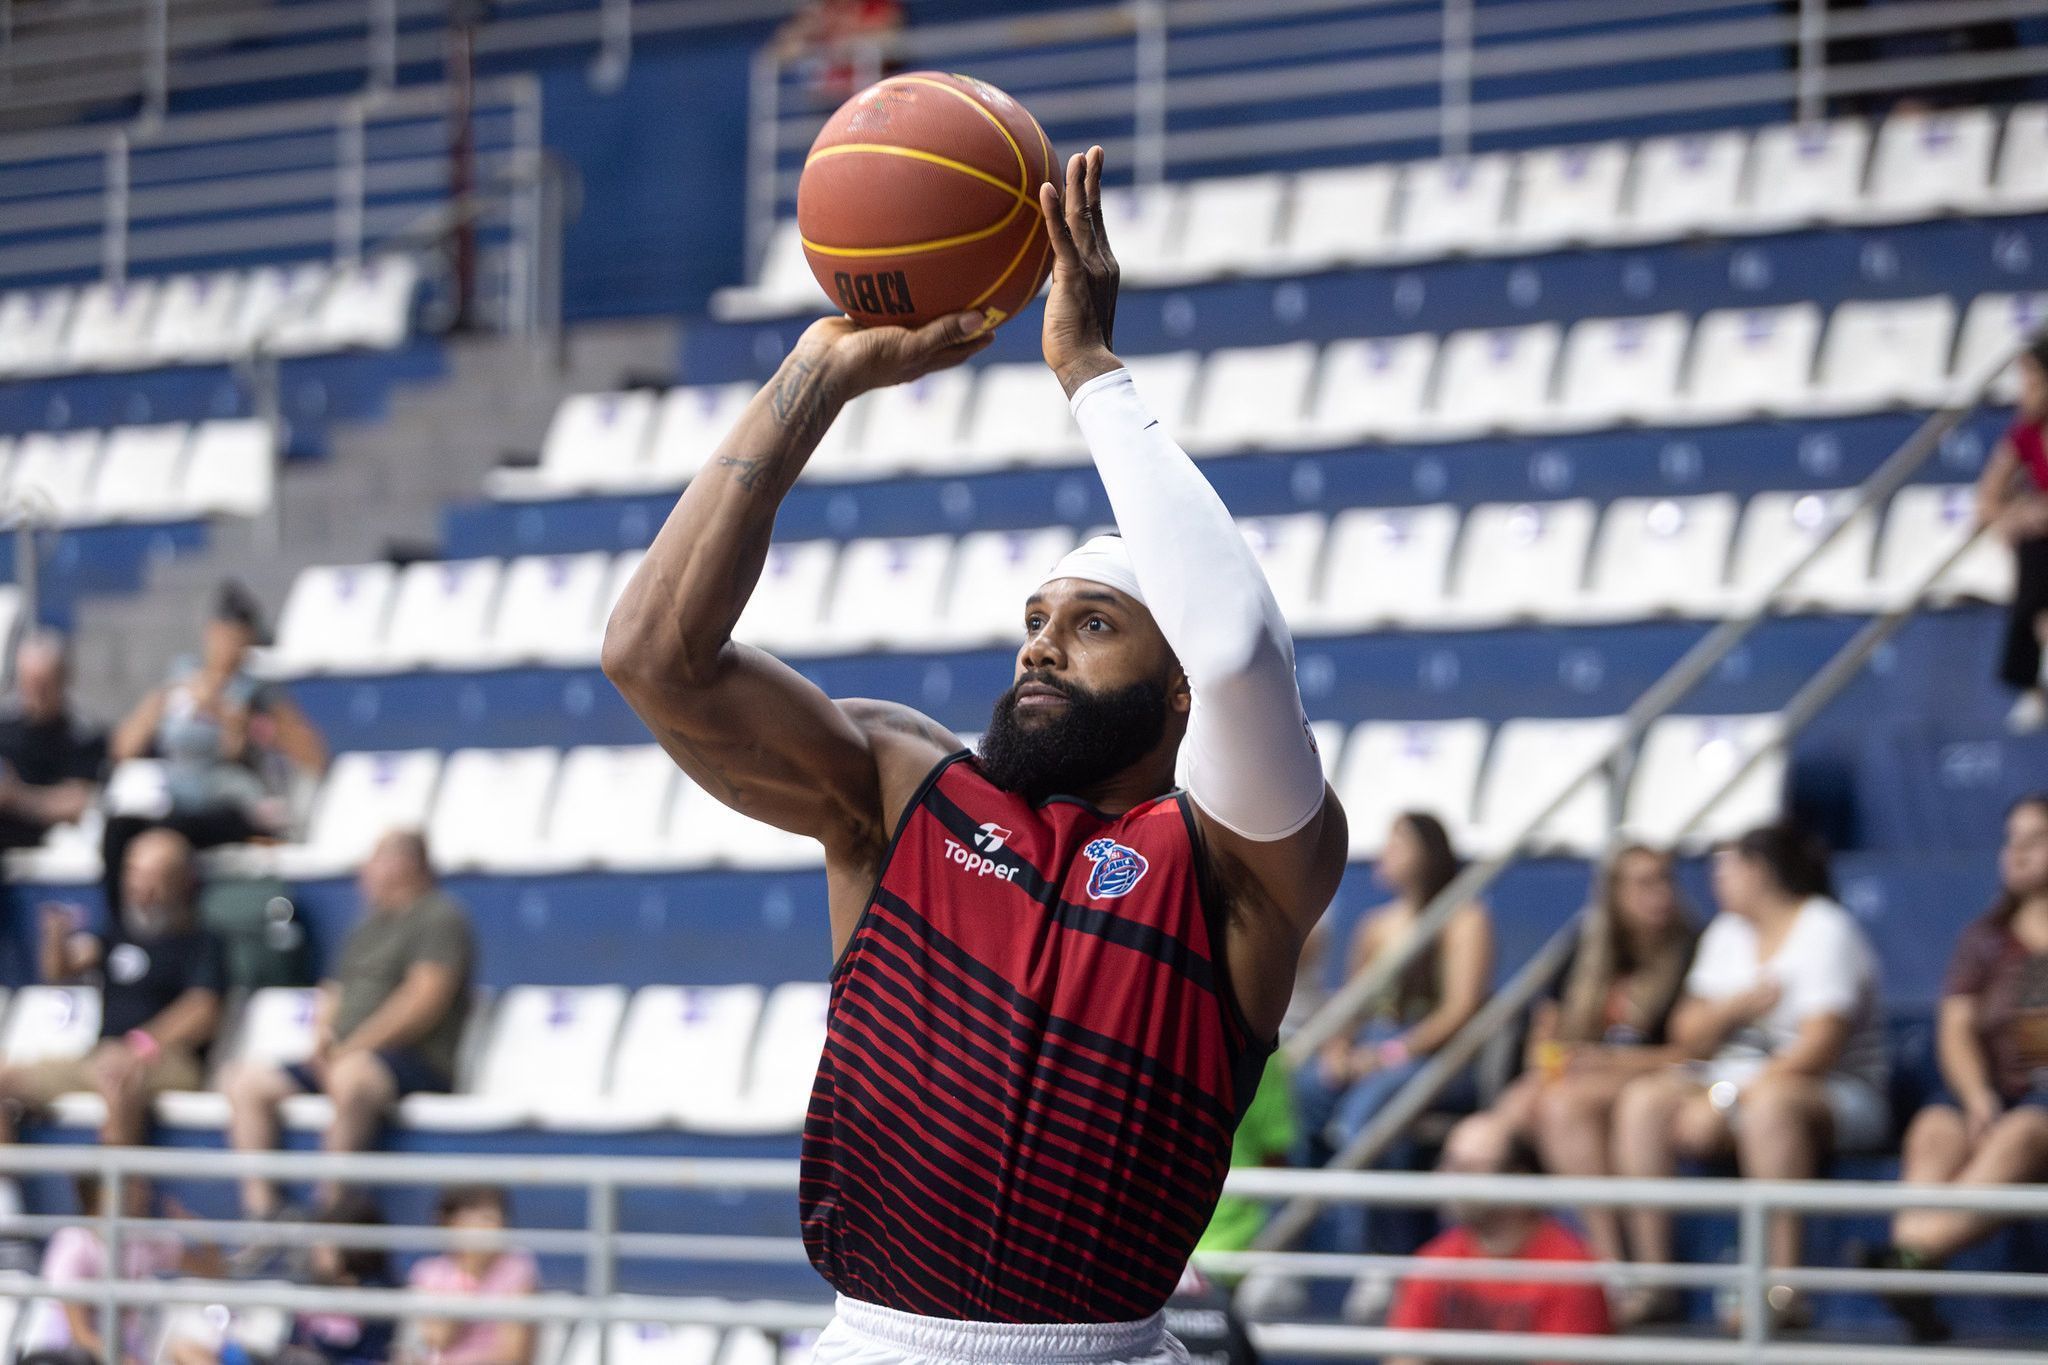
x=1264, y=1138
x=388, y=1021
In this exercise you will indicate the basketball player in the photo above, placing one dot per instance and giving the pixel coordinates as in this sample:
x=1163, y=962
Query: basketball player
x=1057, y=977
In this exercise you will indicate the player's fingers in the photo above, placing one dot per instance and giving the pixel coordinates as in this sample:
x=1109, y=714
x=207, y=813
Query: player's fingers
x=1056, y=225
x=1094, y=199
x=1076, y=200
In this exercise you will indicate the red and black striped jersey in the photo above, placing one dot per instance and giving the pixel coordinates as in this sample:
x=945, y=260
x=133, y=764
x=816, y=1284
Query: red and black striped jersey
x=1033, y=1063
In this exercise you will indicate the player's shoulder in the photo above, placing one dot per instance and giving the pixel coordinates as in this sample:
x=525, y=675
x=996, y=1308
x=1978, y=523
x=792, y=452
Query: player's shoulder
x=894, y=725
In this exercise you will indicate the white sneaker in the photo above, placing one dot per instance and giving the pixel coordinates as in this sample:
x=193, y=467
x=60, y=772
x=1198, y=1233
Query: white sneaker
x=1370, y=1297
x=2029, y=713
x=1269, y=1296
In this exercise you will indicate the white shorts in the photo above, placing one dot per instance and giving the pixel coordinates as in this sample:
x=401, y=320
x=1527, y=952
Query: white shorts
x=869, y=1334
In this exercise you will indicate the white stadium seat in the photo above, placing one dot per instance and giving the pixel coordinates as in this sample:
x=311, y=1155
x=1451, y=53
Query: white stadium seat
x=691, y=422
x=333, y=618
x=490, y=808
x=837, y=456
x=1747, y=361
x=1329, y=739
x=548, y=608
x=787, y=610
x=786, y=280
x=50, y=1023
x=32, y=323
x=1661, y=556
x=139, y=472
x=1531, y=762
x=1166, y=382
x=195, y=317
x=598, y=440
x=887, y=593
x=1376, y=388
x=369, y=305
x=1804, y=173
x=1621, y=370
x=232, y=468
x=1341, y=217
x=1143, y=222
x=1889, y=354
x=1496, y=379
x=704, y=832
x=785, y=1060
x=1394, y=766
x=1995, y=328
x=55, y=470
x=1252, y=398
x=1522, y=561
x=682, y=1057
x=1923, y=526
x=1930, y=163
x=280, y=309
x=611, y=808
x=1452, y=205
x=917, y=426
x=364, y=796
x=1779, y=528
x=110, y=325
x=1231, y=226
x=275, y=1029
x=1568, y=195
x=1288, y=549
x=1684, y=184
x=1020, y=415
x=1683, y=760
x=441, y=615
x=642, y=1343
x=547, y=1053
x=2021, y=183
x=1384, y=565
x=992, y=576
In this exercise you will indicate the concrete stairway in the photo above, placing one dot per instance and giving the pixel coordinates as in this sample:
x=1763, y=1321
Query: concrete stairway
x=381, y=485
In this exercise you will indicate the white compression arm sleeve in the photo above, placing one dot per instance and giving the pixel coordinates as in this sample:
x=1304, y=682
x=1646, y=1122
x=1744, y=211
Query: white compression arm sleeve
x=1251, y=761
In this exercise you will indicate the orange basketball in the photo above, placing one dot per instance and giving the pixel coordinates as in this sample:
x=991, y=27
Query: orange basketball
x=920, y=198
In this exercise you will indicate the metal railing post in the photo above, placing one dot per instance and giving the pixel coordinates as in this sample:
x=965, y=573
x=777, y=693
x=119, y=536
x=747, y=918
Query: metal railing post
x=381, y=71
x=1811, y=101
x=114, y=227
x=1149, y=102
x=113, y=1194
x=1753, y=1238
x=764, y=117
x=351, y=182
x=614, y=44
x=156, y=62
x=600, y=1271
x=1454, y=96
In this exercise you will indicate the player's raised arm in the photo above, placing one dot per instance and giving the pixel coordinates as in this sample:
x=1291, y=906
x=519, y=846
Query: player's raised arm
x=746, y=727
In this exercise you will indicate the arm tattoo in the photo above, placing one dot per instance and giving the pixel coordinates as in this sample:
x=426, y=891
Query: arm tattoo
x=749, y=472
x=802, y=403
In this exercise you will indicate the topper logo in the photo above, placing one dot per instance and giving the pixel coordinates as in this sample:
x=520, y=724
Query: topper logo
x=991, y=837
x=1118, y=868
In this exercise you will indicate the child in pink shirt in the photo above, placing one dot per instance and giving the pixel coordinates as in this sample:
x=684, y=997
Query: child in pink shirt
x=484, y=1271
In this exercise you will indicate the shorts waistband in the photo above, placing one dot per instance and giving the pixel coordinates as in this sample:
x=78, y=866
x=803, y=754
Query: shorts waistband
x=953, y=1339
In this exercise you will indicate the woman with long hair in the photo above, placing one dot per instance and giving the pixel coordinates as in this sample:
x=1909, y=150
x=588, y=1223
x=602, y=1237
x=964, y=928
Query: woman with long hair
x=2012, y=499
x=1992, y=1043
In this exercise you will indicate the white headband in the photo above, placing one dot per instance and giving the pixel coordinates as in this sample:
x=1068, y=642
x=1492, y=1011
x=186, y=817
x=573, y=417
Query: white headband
x=1103, y=560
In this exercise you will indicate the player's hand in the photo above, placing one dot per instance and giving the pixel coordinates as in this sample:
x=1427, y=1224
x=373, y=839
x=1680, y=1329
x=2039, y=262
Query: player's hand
x=865, y=358
x=1080, y=312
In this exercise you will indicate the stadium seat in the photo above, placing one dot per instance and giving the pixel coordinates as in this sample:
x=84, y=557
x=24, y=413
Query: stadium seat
x=1340, y=217
x=1376, y=388
x=1684, y=184
x=1568, y=195
x=705, y=832
x=1495, y=379
x=681, y=1059
x=1231, y=226
x=1531, y=762
x=1452, y=205
x=1144, y=223
x=1930, y=163
x=837, y=456
x=491, y=808
x=280, y=309
x=1885, y=355
x=54, y=471
x=598, y=440
x=32, y=324
x=2021, y=183
x=139, y=472
x=441, y=615
x=275, y=1028
x=1683, y=760
x=1288, y=549
x=1020, y=415
x=785, y=1060
x=1329, y=740
x=1252, y=398
x=1521, y=561
x=689, y=425
x=1394, y=766
x=917, y=426
x=787, y=611
x=1924, y=524
x=1620, y=370
x=611, y=809
x=231, y=470
x=546, y=1056
x=1747, y=361
x=1804, y=173
x=194, y=321
x=110, y=325
x=1661, y=556
x=1995, y=328
x=785, y=283
x=369, y=305
x=333, y=618
x=50, y=1023
x=1388, y=565
x=1778, y=528
x=887, y=593
x=1167, y=384
x=993, y=574
x=363, y=797
x=643, y=1343
x=548, y=608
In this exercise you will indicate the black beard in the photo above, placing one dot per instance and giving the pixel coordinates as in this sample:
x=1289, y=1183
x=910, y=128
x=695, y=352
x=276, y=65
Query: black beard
x=1075, y=747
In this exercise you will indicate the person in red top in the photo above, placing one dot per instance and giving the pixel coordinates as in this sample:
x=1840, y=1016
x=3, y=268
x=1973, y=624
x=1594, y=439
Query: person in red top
x=1481, y=1145
x=2012, y=499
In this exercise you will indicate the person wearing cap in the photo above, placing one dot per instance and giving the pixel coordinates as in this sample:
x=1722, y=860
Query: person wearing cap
x=1059, y=973
x=216, y=731
x=2012, y=499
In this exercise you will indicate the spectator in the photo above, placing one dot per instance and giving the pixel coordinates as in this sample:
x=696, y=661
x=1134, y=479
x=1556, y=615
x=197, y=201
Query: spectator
x=1993, y=1048
x=2012, y=499
x=1478, y=1146
x=50, y=764
x=214, y=728
x=841, y=44
x=1606, y=1026
x=160, y=978
x=64, y=1332
x=1781, y=1012
x=1265, y=1137
x=390, y=1019
x=487, y=1268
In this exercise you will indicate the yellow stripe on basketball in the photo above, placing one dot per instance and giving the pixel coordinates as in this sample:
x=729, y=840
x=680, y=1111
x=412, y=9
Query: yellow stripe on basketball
x=1024, y=186
x=917, y=154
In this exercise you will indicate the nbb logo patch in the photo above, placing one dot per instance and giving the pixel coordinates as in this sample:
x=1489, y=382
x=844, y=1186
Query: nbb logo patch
x=980, y=860
x=885, y=291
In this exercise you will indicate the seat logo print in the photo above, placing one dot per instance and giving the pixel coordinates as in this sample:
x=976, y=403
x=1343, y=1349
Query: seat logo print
x=1117, y=868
